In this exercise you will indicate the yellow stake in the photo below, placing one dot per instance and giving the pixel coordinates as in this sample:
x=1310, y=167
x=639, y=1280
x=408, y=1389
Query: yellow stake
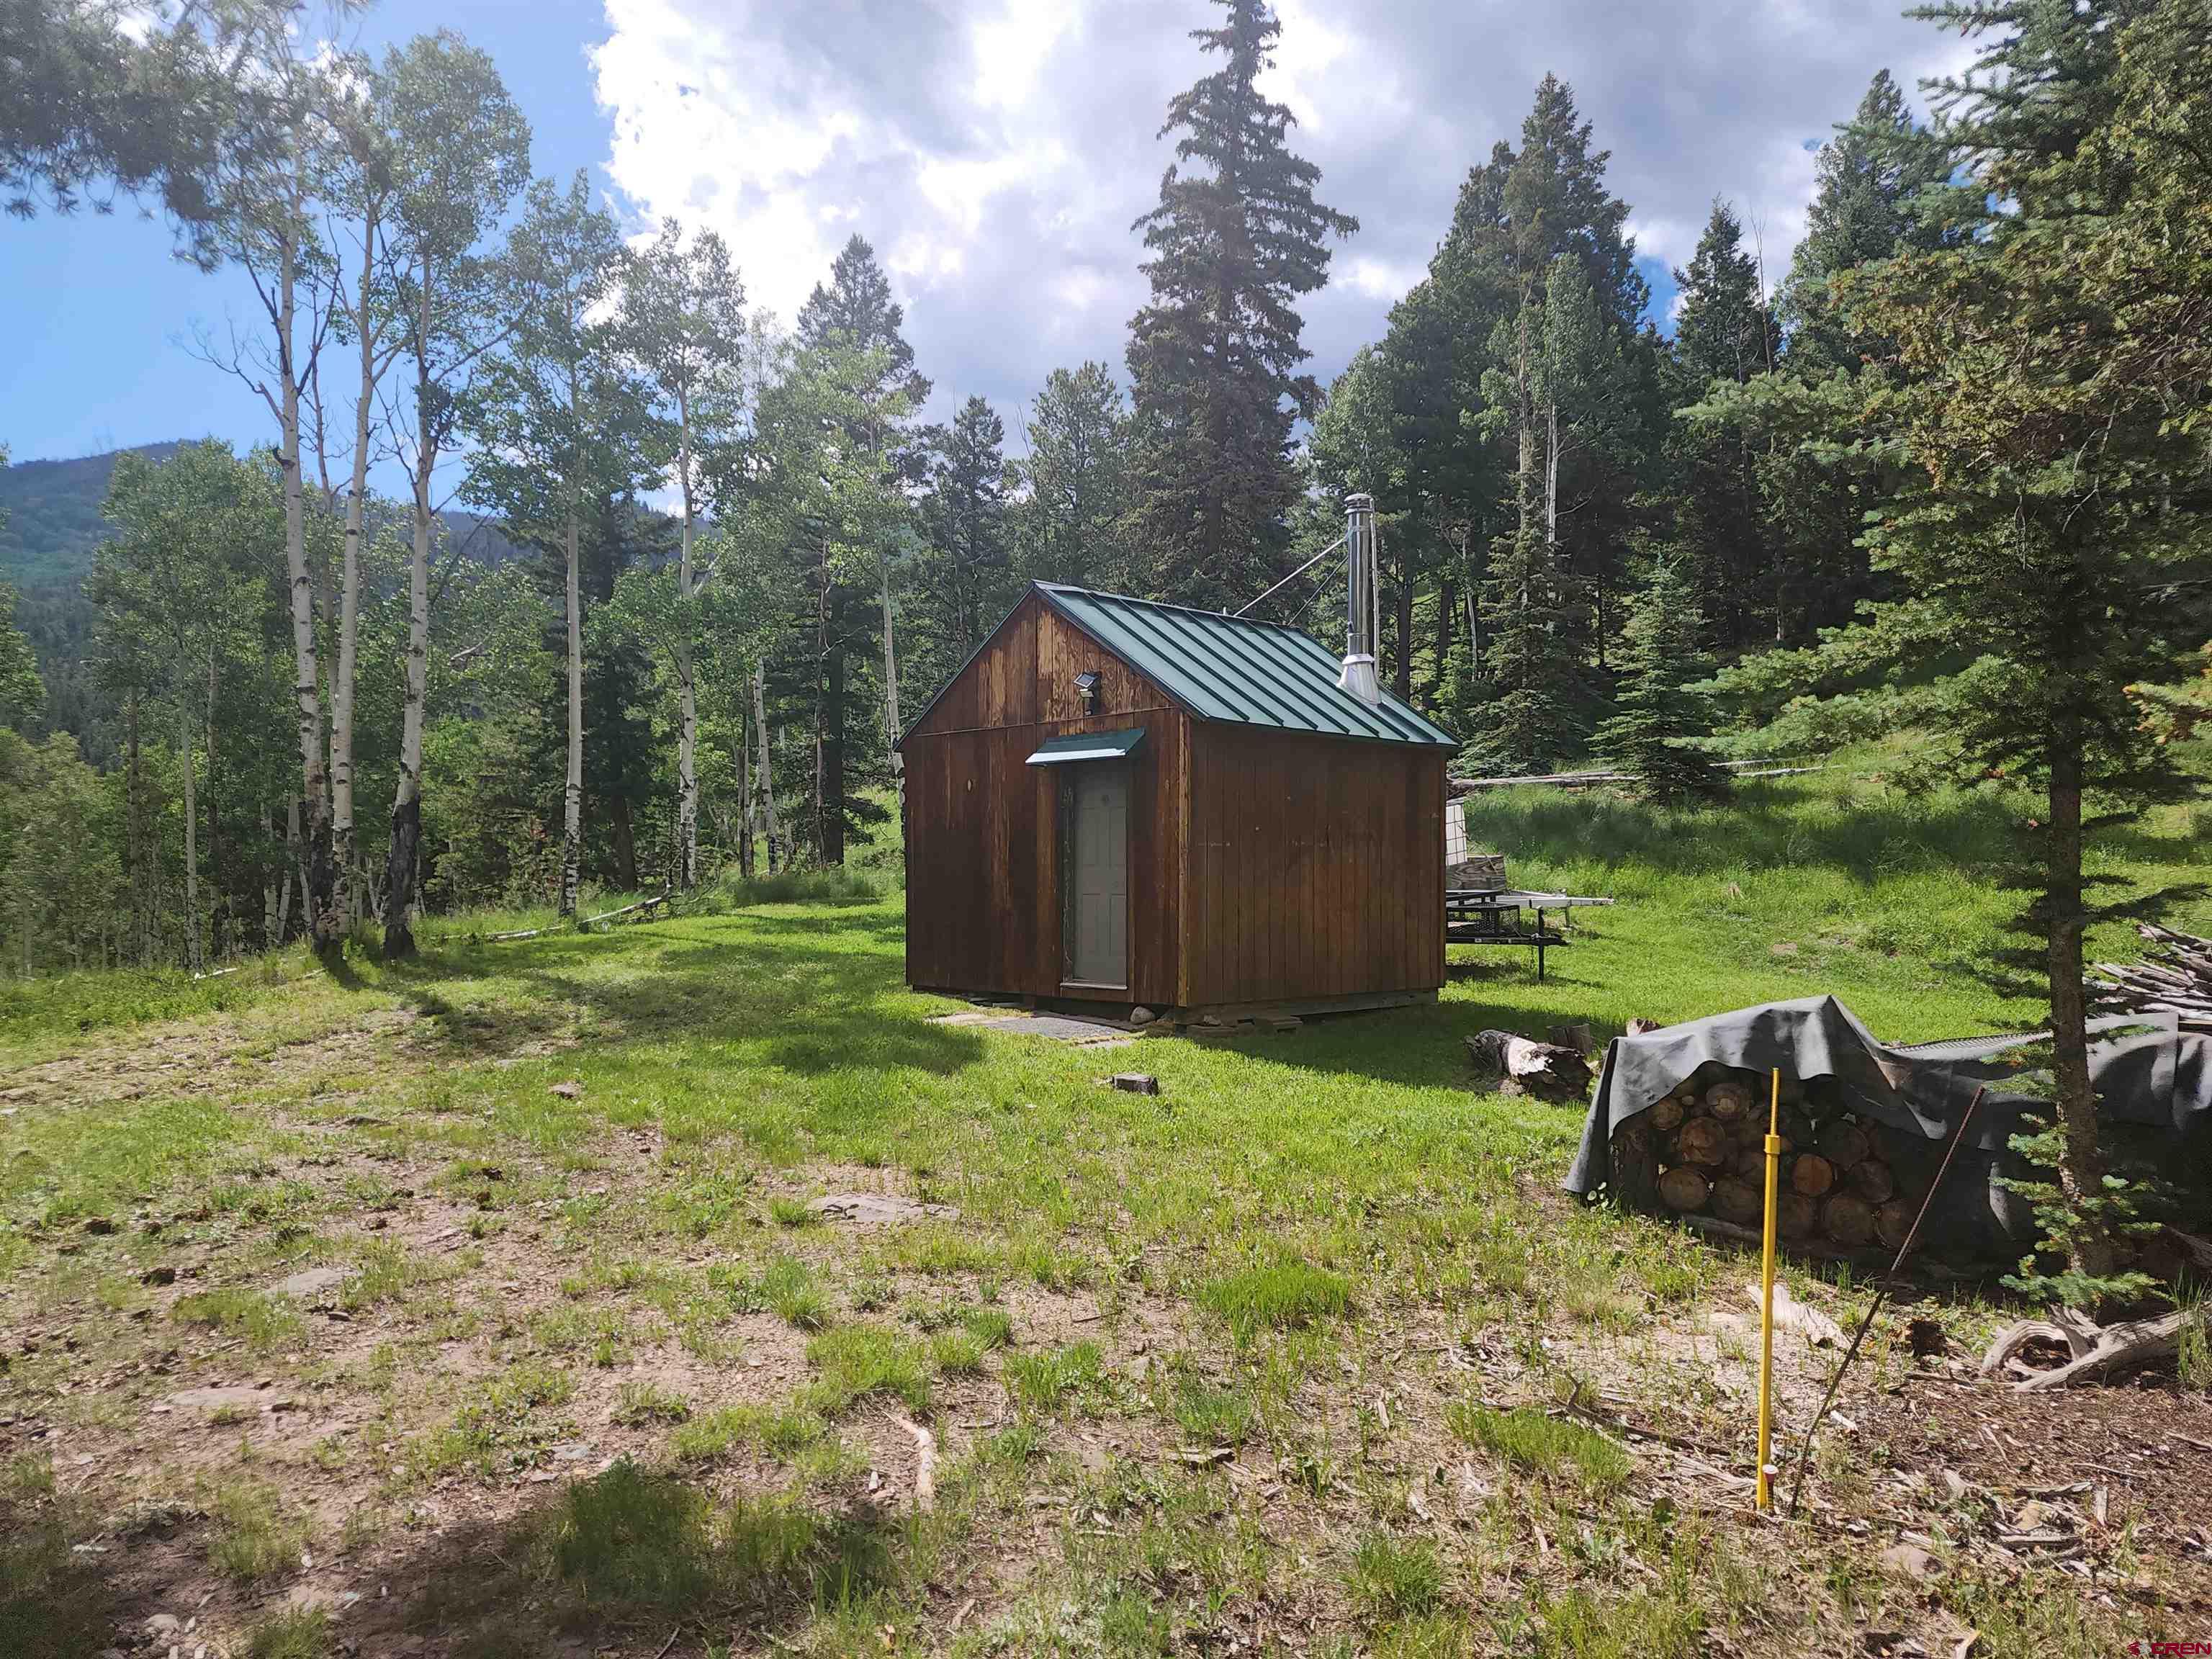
x=1766, y=1296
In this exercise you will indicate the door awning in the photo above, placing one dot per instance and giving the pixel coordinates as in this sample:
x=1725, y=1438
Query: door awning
x=1088, y=746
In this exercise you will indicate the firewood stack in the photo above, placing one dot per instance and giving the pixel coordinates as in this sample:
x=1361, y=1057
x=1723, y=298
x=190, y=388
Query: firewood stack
x=2175, y=977
x=1841, y=1184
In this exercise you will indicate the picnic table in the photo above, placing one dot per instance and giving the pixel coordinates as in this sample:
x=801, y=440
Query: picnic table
x=1494, y=915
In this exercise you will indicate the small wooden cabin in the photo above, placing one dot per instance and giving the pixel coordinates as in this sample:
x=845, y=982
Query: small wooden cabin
x=1122, y=803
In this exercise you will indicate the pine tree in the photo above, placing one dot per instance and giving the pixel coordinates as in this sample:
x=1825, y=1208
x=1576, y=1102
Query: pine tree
x=1236, y=240
x=1563, y=388
x=1071, y=527
x=2049, y=376
x=853, y=327
x=1873, y=176
x=854, y=311
x=1657, y=719
x=1724, y=333
x=966, y=571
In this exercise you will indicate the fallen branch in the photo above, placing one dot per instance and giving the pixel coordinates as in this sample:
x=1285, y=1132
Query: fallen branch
x=2094, y=1350
x=585, y=921
x=2175, y=977
x=925, y=1465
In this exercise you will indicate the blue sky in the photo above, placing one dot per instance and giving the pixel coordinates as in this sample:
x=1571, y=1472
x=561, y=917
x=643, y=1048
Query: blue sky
x=996, y=152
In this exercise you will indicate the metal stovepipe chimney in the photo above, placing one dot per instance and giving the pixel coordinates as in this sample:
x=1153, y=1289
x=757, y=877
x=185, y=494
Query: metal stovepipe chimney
x=1360, y=636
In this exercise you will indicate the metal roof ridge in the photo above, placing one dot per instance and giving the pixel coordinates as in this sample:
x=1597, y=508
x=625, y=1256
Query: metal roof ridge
x=1287, y=662
x=1169, y=604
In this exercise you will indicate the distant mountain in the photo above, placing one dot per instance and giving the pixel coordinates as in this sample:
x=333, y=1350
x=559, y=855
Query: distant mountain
x=49, y=525
x=50, y=519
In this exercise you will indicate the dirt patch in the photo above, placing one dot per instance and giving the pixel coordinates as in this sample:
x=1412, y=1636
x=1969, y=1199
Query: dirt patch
x=2147, y=1449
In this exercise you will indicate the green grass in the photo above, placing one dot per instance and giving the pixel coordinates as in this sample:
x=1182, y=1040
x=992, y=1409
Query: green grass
x=1073, y=1376
x=854, y=1361
x=252, y=1535
x=293, y=1633
x=1395, y=1579
x=1557, y=1447
x=264, y=1323
x=1281, y=1296
x=1268, y=1279
x=632, y=1541
x=788, y=1287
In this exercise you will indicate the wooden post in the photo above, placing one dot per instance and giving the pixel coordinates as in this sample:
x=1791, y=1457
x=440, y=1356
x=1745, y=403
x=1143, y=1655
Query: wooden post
x=1765, y=1497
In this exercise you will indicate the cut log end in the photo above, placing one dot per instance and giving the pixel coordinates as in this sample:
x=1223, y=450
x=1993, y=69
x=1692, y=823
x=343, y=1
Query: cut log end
x=1683, y=1189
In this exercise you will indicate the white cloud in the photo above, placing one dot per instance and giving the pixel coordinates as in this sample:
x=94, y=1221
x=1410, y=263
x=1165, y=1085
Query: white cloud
x=996, y=152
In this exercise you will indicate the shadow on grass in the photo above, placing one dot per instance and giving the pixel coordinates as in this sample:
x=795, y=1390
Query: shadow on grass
x=1760, y=828
x=634, y=1552
x=812, y=1012
x=54, y=1603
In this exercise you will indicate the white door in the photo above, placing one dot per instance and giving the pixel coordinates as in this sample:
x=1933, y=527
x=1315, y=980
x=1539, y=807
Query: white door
x=1100, y=947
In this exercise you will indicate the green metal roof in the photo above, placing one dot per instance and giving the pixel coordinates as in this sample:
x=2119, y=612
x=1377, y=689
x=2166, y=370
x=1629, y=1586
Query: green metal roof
x=1225, y=668
x=1086, y=746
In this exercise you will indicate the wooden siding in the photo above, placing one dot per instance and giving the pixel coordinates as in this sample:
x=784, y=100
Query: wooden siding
x=1263, y=865
x=1316, y=868
x=1025, y=675
x=983, y=844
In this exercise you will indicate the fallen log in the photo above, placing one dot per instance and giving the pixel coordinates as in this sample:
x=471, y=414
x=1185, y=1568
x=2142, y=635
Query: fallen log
x=1547, y=1070
x=2094, y=1351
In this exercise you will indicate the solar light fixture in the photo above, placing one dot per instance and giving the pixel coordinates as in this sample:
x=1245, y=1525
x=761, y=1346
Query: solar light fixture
x=1086, y=687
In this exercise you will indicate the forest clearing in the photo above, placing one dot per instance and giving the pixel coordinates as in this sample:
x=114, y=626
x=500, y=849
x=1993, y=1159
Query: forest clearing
x=599, y=603
x=485, y=1305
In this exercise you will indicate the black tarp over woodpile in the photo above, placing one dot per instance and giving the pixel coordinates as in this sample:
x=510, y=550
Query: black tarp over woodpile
x=2154, y=1083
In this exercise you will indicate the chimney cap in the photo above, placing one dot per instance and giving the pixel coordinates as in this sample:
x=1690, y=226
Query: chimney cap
x=1359, y=501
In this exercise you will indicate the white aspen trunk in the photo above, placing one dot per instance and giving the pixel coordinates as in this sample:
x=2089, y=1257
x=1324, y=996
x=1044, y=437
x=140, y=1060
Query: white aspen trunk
x=193, y=959
x=892, y=721
x=687, y=735
x=341, y=684
x=402, y=853
x=298, y=870
x=766, y=771
x=1552, y=473
x=323, y=921
x=272, y=923
x=572, y=816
